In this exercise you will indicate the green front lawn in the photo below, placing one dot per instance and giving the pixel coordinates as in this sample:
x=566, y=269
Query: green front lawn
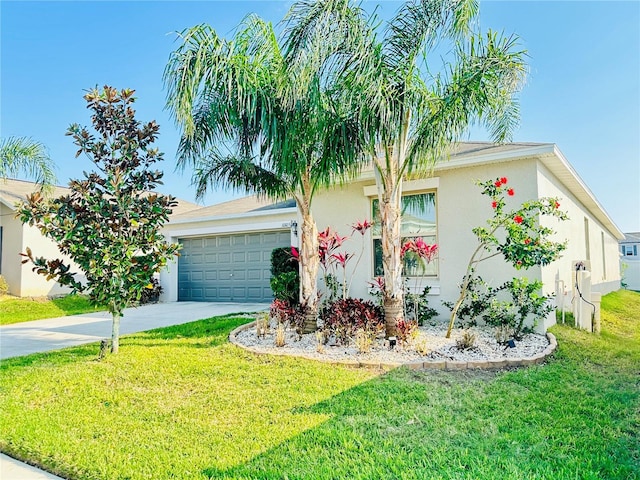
x=183, y=403
x=16, y=309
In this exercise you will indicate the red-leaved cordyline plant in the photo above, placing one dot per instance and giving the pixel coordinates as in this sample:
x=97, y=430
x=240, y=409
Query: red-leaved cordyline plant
x=524, y=243
x=329, y=241
x=424, y=254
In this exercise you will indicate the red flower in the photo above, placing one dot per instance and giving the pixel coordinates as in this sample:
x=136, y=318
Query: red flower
x=510, y=192
x=518, y=219
x=498, y=183
x=503, y=180
x=494, y=204
x=527, y=241
x=557, y=205
x=294, y=253
x=362, y=226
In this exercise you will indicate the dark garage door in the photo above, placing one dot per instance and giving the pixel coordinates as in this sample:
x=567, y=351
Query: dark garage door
x=228, y=268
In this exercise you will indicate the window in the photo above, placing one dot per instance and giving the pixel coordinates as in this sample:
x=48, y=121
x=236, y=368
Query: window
x=630, y=250
x=418, y=220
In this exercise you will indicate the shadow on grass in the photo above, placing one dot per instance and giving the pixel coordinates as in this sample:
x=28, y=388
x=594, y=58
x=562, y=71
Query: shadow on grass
x=553, y=421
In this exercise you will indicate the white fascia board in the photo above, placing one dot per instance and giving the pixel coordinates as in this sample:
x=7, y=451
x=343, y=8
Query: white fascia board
x=228, y=229
x=497, y=157
x=235, y=216
x=6, y=203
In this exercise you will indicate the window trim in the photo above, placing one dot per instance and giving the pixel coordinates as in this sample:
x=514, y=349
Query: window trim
x=412, y=184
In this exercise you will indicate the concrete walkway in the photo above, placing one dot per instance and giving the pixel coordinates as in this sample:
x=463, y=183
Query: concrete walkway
x=56, y=333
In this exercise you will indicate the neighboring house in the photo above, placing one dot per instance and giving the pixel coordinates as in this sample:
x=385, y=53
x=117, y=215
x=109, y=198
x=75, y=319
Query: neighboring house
x=226, y=247
x=16, y=237
x=630, y=260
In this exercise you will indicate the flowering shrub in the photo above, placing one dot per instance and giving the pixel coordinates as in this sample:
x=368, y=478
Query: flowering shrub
x=515, y=234
x=344, y=317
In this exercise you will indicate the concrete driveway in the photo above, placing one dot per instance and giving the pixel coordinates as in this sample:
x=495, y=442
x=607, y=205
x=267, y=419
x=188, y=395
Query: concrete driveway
x=55, y=333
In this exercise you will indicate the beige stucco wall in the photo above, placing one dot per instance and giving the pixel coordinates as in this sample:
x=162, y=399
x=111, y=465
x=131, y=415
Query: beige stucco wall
x=252, y=222
x=21, y=279
x=460, y=207
x=603, y=250
x=11, y=248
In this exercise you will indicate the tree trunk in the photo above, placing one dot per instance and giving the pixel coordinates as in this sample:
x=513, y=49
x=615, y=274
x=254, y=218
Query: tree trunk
x=115, y=333
x=390, y=217
x=309, y=263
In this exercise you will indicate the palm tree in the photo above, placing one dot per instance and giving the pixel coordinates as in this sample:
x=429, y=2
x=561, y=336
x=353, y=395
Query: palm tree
x=23, y=155
x=259, y=119
x=409, y=117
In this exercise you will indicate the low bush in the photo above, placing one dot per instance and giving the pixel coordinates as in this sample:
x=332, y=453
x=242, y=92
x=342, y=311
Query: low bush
x=151, y=294
x=523, y=308
x=406, y=330
x=288, y=314
x=416, y=306
x=344, y=317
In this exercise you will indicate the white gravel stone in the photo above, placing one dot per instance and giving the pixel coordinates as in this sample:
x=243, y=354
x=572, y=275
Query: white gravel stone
x=440, y=348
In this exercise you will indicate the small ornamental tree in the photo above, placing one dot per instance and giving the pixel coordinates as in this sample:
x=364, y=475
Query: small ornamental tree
x=515, y=234
x=109, y=223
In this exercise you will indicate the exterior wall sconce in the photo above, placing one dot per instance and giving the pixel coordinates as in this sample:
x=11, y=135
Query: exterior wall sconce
x=294, y=227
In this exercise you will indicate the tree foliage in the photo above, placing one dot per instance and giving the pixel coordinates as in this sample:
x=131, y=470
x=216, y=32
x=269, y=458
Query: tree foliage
x=109, y=223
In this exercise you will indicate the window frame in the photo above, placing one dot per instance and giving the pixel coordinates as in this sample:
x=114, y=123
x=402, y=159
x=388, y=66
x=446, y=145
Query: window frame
x=376, y=237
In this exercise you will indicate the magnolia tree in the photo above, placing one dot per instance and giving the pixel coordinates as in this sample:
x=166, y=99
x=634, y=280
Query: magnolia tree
x=515, y=234
x=109, y=223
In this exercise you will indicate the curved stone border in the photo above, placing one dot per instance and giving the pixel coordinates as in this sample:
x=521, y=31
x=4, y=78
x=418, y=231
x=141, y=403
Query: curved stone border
x=414, y=365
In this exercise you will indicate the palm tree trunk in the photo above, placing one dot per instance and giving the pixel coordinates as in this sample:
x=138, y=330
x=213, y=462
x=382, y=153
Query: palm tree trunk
x=309, y=263
x=115, y=332
x=390, y=216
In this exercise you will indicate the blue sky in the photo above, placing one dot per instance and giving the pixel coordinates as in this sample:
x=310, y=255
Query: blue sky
x=583, y=91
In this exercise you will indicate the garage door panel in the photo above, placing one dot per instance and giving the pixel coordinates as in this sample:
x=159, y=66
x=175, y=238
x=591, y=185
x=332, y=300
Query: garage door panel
x=255, y=256
x=210, y=275
x=254, y=274
x=228, y=267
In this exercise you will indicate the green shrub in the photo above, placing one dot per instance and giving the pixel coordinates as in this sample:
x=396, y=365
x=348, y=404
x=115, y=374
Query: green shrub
x=285, y=275
x=524, y=307
x=4, y=287
x=416, y=306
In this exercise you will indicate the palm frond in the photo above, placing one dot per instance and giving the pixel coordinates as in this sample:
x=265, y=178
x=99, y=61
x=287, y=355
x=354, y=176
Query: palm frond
x=480, y=87
x=21, y=155
x=238, y=173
